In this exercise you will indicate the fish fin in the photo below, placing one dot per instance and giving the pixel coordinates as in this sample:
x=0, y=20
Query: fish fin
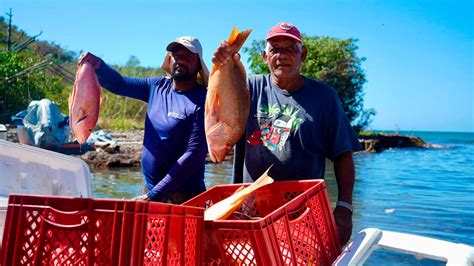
x=233, y=35
x=101, y=97
x=211, y=109
x=72, y=97
x=263, y=180
x=213, y=69
x=237, y=39
x=73, y=134
x=231, y=40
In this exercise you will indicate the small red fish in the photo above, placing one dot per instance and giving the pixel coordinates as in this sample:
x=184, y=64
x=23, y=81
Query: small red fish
x=224, y=208
x=84, y=103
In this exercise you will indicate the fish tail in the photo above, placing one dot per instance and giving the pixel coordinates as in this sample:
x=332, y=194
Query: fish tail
x=233, y=35
x=264, y=179
x=237, y=39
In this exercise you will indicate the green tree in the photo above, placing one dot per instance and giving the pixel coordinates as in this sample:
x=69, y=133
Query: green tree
x=45, y=70
x=333, y=61
x=23, y=78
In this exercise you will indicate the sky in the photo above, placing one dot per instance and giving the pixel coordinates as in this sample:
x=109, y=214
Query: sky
x=419, y=54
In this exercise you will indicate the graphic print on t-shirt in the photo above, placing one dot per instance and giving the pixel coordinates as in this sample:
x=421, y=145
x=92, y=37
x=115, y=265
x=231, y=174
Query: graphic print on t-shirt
x=275, y=126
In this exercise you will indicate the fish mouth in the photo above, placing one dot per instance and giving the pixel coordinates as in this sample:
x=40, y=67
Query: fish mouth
x=215, y=157
x=218, y=153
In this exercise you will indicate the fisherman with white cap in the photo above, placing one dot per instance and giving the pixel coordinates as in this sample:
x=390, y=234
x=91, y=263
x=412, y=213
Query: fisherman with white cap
x=174, y=144
x=194, y=46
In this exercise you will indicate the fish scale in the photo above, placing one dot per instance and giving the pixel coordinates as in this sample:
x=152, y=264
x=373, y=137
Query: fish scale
x=84, y=103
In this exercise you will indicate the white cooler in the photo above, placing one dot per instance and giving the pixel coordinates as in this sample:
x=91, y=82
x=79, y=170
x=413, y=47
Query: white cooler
x=26, y=169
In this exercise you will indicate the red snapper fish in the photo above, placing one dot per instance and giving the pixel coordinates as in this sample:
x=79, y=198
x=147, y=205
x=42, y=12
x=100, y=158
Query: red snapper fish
x=227, y=102
x=84, y=103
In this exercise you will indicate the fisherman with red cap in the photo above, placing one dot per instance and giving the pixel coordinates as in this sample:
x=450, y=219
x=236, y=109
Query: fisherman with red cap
x=295, y=123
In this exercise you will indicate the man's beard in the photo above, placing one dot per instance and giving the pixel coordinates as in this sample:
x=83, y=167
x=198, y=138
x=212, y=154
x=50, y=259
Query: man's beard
x=183, y=76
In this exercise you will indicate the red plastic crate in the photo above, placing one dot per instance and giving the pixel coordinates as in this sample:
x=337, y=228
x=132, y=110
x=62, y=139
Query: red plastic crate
x=46, y=230
x=283, y=223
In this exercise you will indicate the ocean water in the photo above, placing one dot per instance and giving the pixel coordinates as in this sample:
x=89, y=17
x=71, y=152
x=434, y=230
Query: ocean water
x=423, y=191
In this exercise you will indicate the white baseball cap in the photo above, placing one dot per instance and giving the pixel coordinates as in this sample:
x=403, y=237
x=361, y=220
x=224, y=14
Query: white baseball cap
x=194, y=46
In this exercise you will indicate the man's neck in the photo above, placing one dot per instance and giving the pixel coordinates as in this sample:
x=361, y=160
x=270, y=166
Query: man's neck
x=184, y=85
x=288, y=84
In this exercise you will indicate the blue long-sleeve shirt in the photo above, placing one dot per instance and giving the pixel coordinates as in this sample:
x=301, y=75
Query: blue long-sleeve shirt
x=174, y=145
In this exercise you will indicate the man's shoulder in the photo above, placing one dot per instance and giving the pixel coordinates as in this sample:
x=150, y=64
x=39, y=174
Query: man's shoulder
x=316, y=83
x=319, y=87
x=161, y=81
x=258, y=82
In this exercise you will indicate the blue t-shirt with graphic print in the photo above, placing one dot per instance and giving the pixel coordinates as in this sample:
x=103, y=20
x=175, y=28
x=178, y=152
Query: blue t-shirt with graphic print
x=295, y=132
x=174, y=144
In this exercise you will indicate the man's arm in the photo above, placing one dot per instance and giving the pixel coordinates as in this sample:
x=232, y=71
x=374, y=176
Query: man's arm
x=193, y=158
x=345, y=177
x=109, y=78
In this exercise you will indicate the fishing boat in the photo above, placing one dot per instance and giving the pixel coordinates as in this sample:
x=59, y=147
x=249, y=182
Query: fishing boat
x=371, y=239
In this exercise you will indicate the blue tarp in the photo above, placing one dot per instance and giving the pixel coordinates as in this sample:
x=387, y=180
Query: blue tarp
x=100, y=135
x=45, y=125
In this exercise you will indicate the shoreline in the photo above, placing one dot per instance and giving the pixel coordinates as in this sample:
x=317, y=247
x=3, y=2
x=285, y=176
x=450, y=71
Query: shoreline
x=127, y=149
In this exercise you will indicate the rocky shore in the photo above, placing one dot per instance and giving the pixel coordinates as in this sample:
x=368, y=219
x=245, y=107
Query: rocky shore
x=379, y=142
x=126, y=152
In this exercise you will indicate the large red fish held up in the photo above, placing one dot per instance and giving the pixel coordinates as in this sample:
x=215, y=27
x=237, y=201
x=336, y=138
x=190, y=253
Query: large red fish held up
x=84, y=103
x=227, y=102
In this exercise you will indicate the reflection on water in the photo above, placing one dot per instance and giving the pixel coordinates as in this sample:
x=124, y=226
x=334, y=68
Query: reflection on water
x=126, y=182
x=116, y=183
x=218, y=174
x=428, y=192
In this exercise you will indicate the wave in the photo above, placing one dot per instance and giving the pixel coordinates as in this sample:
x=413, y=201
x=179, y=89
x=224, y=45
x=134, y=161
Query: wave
x=437, y=146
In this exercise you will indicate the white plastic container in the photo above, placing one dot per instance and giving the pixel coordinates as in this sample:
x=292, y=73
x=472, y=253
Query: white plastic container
x=3, y=215
x=3, y=132
x=30, y=170
x=23, y=137
x=371, y=239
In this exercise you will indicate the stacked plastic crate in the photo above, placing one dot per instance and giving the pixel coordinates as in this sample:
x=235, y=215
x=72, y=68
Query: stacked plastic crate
x=46, y=230
x=283, y=223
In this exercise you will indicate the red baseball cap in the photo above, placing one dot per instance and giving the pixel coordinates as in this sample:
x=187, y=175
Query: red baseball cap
x=284, y=29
